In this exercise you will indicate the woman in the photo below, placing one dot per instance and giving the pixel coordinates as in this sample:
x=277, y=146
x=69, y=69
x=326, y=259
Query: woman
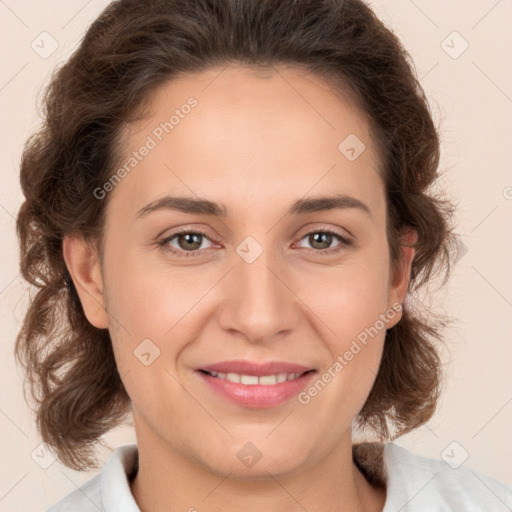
x=225, y=210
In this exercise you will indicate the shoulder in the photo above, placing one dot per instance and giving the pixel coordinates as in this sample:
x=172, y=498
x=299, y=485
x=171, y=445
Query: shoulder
x=414, y=482
x=109, y=490
x=84, y=498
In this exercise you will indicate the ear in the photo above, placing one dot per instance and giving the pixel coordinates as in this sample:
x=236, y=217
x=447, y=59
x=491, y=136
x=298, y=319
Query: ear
x=401, y=274
x=83, y=264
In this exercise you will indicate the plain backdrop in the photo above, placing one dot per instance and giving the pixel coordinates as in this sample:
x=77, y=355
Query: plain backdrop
x=462, y=53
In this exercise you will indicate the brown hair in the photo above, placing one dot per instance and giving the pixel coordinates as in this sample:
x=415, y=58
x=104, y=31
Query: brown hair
x=132, y=48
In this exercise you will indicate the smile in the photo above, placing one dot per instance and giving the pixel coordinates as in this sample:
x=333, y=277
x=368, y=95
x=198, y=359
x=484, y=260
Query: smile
x=253, y=380
x=256, y=391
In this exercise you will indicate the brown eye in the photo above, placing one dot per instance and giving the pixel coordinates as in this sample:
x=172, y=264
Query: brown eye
x=321, y=241
x=189, y=241
x=185, y=243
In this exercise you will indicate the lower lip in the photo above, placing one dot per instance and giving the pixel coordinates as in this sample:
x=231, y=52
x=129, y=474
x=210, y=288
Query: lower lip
x=258, y=396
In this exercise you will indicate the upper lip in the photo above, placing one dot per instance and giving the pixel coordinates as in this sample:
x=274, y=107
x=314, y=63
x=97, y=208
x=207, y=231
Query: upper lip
x=255, y=368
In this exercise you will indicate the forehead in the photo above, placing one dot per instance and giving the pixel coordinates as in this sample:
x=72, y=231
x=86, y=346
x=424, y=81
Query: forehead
x=256, y=134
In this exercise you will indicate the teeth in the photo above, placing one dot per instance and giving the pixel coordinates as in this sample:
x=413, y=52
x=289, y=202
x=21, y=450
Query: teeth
x=232, y=377
x=249, y=380
x=252, y=380
x=267, y=380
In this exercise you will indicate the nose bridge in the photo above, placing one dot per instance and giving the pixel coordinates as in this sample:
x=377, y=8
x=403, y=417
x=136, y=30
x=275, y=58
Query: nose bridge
x=258, y=303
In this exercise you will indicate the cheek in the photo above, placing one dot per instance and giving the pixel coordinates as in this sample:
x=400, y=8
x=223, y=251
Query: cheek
x=148, y=307
x=350, y=298
x=351, y=303
x=152, y=299
x=351, y=306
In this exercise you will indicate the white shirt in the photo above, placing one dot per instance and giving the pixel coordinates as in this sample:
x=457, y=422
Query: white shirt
x=413, y=483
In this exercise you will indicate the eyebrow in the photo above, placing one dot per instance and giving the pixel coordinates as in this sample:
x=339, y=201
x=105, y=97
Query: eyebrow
x=206, y=207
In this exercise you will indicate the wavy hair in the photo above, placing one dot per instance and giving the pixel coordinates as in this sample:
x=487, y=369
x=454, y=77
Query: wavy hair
x=129, y=50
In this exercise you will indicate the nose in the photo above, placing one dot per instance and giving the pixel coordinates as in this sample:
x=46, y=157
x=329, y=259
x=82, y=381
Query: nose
x=260, y=302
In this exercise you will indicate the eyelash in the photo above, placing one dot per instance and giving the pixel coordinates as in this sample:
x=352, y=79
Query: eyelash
x=344, y=242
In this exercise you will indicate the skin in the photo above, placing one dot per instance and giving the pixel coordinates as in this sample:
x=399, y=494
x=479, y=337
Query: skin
x=255, y=144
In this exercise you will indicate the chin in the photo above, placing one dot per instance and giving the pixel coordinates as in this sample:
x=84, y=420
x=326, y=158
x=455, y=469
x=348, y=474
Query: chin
x=255, y=460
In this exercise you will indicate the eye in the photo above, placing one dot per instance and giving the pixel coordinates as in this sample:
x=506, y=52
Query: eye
x=189, y=243
x=320, y=241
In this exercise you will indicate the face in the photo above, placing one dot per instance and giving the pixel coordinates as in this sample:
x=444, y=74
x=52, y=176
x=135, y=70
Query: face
x=264, y=270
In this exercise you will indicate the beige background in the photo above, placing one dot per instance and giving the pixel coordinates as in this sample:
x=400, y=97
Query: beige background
x=471, y=96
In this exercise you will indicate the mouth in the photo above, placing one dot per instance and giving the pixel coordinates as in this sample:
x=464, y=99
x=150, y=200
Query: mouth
x=255, y=380
x=256, y=385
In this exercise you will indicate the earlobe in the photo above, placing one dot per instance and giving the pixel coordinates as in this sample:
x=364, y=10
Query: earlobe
x=401, y=275
x=83, y=265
